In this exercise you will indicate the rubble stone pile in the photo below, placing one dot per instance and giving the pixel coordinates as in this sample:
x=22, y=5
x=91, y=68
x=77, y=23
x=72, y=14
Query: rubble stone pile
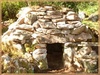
x=36, y=26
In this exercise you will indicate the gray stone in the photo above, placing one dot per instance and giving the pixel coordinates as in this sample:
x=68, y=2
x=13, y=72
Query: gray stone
x=30, y=19
x=48, y=7
x=53, y=31
x=75, y=23
x=84, y=36
x=44, y=20
x=68, y=57
x=56, y=16
x=71, y=38
x=82, y=15
x=58, y=20
x=47, y=25
x=25, y=27
x=85, y=50
x=41, y=9
x=64, y=26
x=37, y=34
x=44, y=38
x=65, y=10
x=51, y=38
x=65, y=31
x=68, y=51
x=39, y=54
x=36, y=25
x=72, y=16
x=28, y=57
x=42, y=30
x=21, y=15
x=24, y=11
x=20, y=20
x=53, y=13
x=78, y=24
x=58, y=39
x=13, y=26
x=78, y=30
x=47, y=17
x=52, y=16
x=40, y=46
x=40, y=17
x=38, y=13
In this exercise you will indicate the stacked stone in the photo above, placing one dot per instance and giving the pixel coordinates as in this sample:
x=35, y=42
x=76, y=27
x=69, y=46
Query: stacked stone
x=15, y=64
x=57, y=27
x=80, y=58
x=36, y=26
x=39, y=55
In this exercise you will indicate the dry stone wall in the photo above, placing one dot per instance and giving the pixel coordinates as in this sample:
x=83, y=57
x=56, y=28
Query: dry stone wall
x=35, y=27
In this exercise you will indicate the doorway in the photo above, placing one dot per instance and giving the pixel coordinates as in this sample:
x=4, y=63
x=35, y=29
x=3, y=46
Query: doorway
x=55, y=56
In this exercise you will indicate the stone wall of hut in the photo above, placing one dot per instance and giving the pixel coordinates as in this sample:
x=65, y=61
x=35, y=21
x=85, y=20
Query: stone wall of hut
x=24, y=44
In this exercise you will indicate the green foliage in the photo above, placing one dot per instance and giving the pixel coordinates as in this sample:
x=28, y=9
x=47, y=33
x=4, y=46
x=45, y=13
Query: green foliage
x=4, y=29
x=92, y=25
x=10, y=9
x=88, y=7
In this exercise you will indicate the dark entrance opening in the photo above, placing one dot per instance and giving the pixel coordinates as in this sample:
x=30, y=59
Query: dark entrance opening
x=55, y=56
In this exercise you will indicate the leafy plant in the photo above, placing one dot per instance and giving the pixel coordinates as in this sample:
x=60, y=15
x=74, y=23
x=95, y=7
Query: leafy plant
x=10, y=9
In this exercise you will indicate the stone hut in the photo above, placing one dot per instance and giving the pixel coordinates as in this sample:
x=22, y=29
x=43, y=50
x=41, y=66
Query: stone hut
x=48, y=39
